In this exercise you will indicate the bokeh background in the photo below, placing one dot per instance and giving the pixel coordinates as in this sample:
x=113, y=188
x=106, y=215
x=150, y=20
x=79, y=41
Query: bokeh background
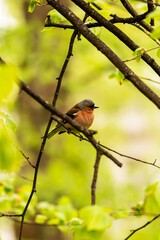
x=126, y=121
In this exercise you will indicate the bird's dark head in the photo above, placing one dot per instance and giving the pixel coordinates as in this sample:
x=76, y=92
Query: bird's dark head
x=87, y=103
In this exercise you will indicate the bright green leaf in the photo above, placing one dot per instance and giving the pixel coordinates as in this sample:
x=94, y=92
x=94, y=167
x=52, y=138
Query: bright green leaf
x=156, y=33
x=31, y=6
x=76, y=221
x=33, y=3
x=95, y=218
x=8, y=75
x=40, y=218
x=137, y=51
x=121, y=213
x=64, y=228
x=55, y=16
x=113, y=75
x=10, y=123
x=8, y=188
x=150, y=190
x=158, y=53
x=155, y=14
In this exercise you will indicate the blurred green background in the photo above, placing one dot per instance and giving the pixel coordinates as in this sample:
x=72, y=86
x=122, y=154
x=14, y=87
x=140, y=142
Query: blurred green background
x=126, y=121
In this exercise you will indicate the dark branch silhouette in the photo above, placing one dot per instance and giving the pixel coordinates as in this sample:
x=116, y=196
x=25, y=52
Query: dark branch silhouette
x=95, y=176
x=143, y=226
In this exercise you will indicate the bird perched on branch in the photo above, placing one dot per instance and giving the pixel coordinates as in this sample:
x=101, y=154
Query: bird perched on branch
x=82, y=113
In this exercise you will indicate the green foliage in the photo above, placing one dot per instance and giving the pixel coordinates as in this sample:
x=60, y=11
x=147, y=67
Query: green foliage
x=156, y=33
x=8, y=121
x=158, y=53
x=89, y=222
x=8, y=75
x=39, y=57
x=56, y=17
x=151, y=202
x=32, y=5
x=138, y=52
x=119, y=76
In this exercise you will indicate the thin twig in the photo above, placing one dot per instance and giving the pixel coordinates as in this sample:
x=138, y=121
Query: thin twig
x=149, y=79
x=120, y=154
x=20, y=175
x=9, y=215
x=146, y=32
x=151, y=49
x=95, y=176
x=27, y=158
x=143, y=226
x=133, y=12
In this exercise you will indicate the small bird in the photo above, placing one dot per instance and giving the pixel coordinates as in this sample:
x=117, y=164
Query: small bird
x=82, y=113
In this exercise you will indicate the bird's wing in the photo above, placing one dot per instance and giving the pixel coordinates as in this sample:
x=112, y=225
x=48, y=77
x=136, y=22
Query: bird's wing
x=73, y=112
x=59, y=128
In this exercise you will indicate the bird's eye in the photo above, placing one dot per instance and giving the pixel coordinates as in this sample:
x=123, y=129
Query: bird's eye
x=91, y=106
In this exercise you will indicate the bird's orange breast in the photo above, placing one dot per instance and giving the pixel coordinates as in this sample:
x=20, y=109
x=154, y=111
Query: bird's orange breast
x=84, y=118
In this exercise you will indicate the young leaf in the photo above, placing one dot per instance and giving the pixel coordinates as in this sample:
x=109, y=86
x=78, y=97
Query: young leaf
x=158, y=53
x=40, y=218
x=8, y=76
x=156, y=33
x=10, y=123
x=55, y=17
x=95, y=218
x=32, y=5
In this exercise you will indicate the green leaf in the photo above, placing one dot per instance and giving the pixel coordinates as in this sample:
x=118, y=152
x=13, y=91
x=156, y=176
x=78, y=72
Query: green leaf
x=76, y=221
x=119, y=76
x=155, y=14
x=156, y=33
x=151, y=205
x=121, y=213
x=40, y=218
x=64, y=228
x=95, y=218
x=32, y=5
x=158, y=53
x=137, y=51
x=8, y=75
x=8, y=188
x=10, y=123
x=55, y=16
x=113, y=75
x=150, y=190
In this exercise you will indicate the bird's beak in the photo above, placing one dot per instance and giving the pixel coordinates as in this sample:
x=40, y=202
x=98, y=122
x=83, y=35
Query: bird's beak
x=95, y=106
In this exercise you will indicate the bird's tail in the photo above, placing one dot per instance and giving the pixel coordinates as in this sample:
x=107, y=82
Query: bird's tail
x=53, y=132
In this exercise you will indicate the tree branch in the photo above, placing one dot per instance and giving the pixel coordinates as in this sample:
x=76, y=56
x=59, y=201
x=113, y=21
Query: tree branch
x=143, y=226
x=101, y=46
x=116, y=31
x=88, y=133
x=95, y=176
x=132, y=11
x=69, y=54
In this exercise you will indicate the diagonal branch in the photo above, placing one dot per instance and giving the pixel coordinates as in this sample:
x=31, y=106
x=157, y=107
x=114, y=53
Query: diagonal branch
x=95, y=176
x=54, y=111
x=133, y=12
x=101, y=46
x=116, y=31
x=143, y=226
